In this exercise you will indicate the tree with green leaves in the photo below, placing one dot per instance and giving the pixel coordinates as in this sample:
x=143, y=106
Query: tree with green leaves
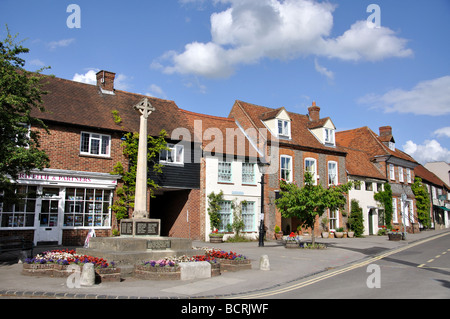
x=20, y=93
x=126, y=192
x=310, y=201
x=356, y=219
x=384, y=197
x=422, y=202
x=214, y=209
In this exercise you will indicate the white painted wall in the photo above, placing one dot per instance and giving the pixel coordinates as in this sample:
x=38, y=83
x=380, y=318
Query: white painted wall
x=366, y=202
x=233, y=190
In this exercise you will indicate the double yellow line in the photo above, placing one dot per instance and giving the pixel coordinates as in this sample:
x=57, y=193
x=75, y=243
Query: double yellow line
x=333, y=273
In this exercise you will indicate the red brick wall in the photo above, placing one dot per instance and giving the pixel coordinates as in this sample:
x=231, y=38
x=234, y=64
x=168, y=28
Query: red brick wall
x=63, y=148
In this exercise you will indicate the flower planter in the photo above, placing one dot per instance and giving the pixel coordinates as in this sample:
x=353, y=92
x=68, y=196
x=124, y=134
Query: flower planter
x=37, y=270
x=395, y=237
x=167, y=273
x=279, y=235
x=62, y=271
x=339, y=234
x=107, y=274
x=292, y=244
x=351, y=234
x=216, y=239
x=234, y=265
x=325, y=234
x=157, y=273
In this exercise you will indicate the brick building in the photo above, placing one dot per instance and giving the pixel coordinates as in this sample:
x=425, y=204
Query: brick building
x=72, y=196
x=395, y=166
x=295, y=143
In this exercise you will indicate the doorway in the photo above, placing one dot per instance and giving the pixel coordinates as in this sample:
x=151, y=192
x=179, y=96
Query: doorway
x=49, y=224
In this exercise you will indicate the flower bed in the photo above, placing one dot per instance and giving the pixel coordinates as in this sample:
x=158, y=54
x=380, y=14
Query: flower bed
x=55, y=263
x=229, y=261
x=169, y=268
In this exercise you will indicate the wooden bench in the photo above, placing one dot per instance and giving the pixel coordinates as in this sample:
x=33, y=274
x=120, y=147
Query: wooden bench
x=15, y=243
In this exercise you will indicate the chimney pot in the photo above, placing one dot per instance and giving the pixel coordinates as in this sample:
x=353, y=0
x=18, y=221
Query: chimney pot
x=105, y=80
x=314, y=112
x=385, y=131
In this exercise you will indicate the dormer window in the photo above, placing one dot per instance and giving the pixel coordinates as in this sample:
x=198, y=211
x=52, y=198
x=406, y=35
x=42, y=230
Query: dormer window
x=284, y=128
x=329, y=136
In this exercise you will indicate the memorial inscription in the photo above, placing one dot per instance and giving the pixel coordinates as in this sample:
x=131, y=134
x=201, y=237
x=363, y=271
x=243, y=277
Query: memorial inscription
x=126, y=228
x=158, y=244
x=147, y=228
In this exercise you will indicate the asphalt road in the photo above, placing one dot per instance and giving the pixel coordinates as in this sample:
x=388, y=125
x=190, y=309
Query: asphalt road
x=420, y=270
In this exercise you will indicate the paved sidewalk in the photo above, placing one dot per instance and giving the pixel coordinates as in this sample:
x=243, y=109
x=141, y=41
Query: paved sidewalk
x=287, y=265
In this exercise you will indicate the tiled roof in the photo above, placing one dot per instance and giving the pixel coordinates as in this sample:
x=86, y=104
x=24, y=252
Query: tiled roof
x=358, y=163
x=301, y=135
x=219, y=131
x=365, y=139
x=83, y=104
x=429, y=177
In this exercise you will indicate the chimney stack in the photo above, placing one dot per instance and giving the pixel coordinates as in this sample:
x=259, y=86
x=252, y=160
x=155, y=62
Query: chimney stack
x=314, y=112
x=385, y=131
x=105, y=80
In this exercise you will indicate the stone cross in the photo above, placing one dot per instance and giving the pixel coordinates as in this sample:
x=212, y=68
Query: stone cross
x=140, y=200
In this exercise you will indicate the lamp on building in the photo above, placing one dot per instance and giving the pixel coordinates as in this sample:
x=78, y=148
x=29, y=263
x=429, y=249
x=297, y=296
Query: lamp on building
x=262, y=166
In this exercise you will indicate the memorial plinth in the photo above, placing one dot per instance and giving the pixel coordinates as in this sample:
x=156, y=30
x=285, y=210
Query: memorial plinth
x=140, y=227
x=129, y=251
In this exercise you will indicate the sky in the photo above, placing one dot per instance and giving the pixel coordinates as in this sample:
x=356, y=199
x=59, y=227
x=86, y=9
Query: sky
x=365, y=63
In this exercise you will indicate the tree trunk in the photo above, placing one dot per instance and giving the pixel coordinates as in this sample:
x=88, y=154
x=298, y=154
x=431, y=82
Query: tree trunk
x=313, y=238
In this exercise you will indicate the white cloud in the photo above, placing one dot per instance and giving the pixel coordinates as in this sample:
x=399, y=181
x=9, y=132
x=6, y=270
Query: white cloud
x=426, y=98
x=323, y=70
x=156, y=91
x=429, y=151
x=443, y=132
x=250, y=30
x=61, y=43
x=89, y=77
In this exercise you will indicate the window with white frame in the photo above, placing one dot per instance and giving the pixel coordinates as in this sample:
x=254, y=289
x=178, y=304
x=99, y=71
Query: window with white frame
x=329, y=136
x=85, y=207
x=19, y=213
x=391, y=172
x=408, y=175
x=225, y=215
x=173, y=155
x=248, y=173
x=224, y=172
x=284, y=128
x=248, y=216
x=311, y=167
x=334, y=222
x=286, y=168
x=394, y=210
x=400, y=174
x=332, y=173
x=95, y=144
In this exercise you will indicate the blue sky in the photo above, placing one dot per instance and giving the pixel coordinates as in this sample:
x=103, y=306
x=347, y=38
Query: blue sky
x=205, y=54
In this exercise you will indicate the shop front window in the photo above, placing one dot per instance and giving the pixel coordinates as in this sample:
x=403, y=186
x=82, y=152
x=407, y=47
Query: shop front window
x=87, y=207
x=19, y=212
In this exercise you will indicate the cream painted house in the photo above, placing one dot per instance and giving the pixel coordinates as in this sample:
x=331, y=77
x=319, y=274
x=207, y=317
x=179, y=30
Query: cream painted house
x=229, y=164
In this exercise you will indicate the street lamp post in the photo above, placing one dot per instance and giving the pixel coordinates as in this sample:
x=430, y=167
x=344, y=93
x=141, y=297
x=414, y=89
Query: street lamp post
x=262, y=166
x=403, y=198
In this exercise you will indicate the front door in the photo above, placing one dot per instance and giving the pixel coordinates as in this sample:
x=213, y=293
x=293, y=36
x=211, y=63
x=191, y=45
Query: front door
x=371, y=221
x=49, y=229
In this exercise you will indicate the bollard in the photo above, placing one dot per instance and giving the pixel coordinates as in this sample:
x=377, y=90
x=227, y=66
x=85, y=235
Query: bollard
x=88, y=275
x=264, y=263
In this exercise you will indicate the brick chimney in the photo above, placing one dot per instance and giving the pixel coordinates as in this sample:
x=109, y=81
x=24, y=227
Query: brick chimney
x=385, y=131
x=314, y=112
x=105, y=80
